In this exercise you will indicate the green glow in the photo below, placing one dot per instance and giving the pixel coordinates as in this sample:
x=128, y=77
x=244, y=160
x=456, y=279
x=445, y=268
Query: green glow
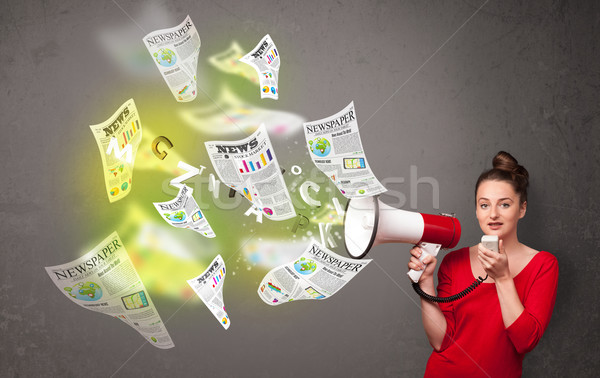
x=164, y=256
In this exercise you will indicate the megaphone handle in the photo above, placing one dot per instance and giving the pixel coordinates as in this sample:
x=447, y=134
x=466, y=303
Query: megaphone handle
x=427, y=249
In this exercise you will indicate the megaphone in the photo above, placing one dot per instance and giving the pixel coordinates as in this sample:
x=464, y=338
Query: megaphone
x=369, y=222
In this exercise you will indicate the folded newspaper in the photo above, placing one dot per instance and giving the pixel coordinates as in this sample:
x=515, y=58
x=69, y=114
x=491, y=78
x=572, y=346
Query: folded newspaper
x=317, y=274
x=104, y=280
x=264, y=58
x=336, y=149
x=175, y=53
x=118, y=139
x=209, y=287
x=183, y=212
x=250, y=167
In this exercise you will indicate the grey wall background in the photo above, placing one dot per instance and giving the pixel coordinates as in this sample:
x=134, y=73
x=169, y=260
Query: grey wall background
x=519, y=76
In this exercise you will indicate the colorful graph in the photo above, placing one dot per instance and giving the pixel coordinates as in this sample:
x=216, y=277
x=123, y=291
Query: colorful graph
x=247, y=194
x=271, y=56
x=115, y=171
x=274, y=288
x=218, y=277
x=251, y=166
x=128, y=134
x=184, y=89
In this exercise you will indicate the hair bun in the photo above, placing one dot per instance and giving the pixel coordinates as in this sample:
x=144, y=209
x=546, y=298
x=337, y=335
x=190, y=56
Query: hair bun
x=506, y=168
x=506, y=162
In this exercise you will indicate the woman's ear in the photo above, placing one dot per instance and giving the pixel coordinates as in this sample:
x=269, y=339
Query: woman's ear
x=523, y=210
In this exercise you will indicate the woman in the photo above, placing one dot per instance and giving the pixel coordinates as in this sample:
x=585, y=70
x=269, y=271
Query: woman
x=488, y=332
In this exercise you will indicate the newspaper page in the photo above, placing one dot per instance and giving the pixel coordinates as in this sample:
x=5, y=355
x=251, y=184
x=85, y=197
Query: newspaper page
x=336, y=149
x=118, y=139
x=209, y=287
x=265, y=60
x=228, y=61
x=317, y=274
x=104, y=280
x=175, y=52
x=183, y=212
x=250, y=167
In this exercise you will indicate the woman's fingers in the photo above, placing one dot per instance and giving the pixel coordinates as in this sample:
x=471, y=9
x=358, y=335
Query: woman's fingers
x=486, y=265
x=427, y=265
x=485, y=251
x=483, y=256
x=416, y=251
x=489, y=256
x=415, y=264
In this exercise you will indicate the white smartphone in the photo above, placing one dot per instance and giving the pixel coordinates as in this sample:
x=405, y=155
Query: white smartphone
x=490, y=242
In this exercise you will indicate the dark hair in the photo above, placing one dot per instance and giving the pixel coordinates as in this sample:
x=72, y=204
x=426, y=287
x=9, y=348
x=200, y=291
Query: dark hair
x=506, y=168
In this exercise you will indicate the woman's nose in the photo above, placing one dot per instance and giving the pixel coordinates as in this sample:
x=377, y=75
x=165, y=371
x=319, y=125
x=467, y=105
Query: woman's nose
x=494, y=213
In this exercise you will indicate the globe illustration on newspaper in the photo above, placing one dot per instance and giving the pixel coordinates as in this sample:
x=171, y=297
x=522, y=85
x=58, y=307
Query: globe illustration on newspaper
x=305, y=266
x=88, y=291
x=165, y=57
x=176, y=216
x=320, y=147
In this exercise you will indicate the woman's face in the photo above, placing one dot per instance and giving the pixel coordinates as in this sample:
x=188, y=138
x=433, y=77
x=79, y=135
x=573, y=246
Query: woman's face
x=498, y=208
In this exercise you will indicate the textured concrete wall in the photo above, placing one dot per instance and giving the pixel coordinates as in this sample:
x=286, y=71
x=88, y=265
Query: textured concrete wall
x=439, y=85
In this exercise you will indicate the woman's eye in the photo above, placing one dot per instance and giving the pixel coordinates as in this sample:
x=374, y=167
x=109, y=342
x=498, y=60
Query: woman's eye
x=484, y=205
x=505, y=205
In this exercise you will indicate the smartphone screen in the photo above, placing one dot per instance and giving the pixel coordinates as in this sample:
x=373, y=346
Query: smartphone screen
x=354, y=163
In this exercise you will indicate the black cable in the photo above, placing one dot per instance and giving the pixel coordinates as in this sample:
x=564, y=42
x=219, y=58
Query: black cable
x=451, y=298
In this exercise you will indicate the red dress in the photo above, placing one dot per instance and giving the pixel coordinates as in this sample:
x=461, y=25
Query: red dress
x=476, y=343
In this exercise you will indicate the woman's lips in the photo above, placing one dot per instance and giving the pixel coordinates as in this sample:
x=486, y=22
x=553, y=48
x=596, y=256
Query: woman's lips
x=495, y=225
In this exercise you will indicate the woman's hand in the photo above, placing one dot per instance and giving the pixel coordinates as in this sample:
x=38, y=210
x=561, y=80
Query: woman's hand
x=428, y=263
x=495, y=264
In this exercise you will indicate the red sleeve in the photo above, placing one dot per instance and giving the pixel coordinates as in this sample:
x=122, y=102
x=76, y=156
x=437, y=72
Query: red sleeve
x=444, y=289
x=527, y=330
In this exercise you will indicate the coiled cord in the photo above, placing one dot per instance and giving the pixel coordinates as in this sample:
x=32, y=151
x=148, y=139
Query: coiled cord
x=451, y=298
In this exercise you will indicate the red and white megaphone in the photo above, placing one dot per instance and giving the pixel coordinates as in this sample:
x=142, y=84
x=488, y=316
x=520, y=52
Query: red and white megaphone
x=369, y=222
